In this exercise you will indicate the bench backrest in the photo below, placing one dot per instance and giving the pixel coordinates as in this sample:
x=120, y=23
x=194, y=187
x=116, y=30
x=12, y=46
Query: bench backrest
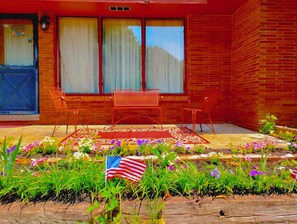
x=140, y=98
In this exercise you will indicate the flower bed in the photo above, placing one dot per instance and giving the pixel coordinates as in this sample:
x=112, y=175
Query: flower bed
x=46, y=171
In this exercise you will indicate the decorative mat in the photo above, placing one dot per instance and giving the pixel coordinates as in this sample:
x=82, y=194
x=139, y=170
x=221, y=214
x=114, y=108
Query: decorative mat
x=107, y=136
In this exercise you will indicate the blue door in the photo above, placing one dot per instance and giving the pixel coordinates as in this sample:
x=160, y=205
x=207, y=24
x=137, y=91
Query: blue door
x=18, y=64
x=18, y=91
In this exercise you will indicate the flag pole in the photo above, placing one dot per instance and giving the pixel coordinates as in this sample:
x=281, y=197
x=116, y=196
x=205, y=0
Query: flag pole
x=105, y=170
x=293, y=186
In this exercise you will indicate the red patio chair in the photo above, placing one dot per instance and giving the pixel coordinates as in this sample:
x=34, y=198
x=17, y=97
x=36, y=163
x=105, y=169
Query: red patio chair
x=207, y=105
x=57, y=97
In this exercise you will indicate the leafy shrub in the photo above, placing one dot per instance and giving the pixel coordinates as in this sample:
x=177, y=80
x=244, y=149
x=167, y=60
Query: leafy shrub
x=268, y=124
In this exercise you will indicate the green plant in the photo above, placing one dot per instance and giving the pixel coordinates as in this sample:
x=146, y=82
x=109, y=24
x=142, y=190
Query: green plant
x=111, y=197
x=9, y=155
x=291, y=139
x=164, y=154
x=287, y=136
x=268, y=124
x=199, y=149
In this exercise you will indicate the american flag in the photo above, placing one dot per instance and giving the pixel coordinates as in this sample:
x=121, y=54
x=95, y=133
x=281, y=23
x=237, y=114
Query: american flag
x=117, y=166
x=294, y=174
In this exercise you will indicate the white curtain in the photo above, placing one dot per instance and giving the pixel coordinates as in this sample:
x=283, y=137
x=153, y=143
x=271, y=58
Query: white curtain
x=78, y=41
x=165, y=55
x=18, y=44
x=121, y=54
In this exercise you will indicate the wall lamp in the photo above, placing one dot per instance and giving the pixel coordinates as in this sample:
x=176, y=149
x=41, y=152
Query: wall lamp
x=44, y=22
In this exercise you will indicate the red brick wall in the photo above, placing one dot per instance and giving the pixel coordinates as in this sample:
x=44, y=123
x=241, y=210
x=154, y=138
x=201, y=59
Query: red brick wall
x=46, y=71
x=209, y=60
x=245, y=65
x=264, y=62
x=251, y=56
x=208, y=67
x=278, y=67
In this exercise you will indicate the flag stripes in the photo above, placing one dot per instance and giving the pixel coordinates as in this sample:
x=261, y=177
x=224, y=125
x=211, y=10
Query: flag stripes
x=294, y=174
x=117, y=166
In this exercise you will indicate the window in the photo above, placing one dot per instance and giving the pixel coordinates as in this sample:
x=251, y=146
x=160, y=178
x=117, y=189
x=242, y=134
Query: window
x=78, y=41
x=165, y=55
x=121, y=54
x=16, y=42
x=136, y=53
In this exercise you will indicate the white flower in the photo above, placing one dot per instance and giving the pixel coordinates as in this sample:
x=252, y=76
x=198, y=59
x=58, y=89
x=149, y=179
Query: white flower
x=85, y=142
x=80, y=155
x=48, y=140
x=214, y=154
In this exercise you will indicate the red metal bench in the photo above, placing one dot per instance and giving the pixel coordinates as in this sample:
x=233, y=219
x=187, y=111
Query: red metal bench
x=136, y=100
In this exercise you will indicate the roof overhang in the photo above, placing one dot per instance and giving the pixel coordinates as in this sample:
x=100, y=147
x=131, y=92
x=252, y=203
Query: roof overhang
x=151, y=8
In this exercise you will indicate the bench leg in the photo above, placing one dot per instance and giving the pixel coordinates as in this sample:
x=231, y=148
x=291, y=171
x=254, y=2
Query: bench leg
x=112, y=118
x=161, y=117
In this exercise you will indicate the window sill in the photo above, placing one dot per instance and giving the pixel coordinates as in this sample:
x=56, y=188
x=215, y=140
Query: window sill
x=22, y=117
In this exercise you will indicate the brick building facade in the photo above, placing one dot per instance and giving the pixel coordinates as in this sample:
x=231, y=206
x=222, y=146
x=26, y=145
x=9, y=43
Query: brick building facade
x=249, y=52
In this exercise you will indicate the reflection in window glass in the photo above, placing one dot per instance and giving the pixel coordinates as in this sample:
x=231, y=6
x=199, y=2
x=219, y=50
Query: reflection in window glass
x=165, y=55
x=16, y=42
x=121, y=54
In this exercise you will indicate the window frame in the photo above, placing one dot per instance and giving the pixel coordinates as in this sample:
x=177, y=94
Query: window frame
x=143, y=53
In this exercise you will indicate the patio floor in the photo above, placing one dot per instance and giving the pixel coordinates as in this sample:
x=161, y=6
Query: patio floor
x=226, y=134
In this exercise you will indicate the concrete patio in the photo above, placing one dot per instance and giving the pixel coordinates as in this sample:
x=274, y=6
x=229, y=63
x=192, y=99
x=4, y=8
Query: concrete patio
x=226, y=134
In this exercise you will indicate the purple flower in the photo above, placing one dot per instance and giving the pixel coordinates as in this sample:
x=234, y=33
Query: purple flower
x=258, y=146
x=138, y=153
x=178, y=144
x=11, y=149
x=256, y=172
x=140, y=142
x=171, y=167
x=113, y=141
x=248, y=146
x=215, y=173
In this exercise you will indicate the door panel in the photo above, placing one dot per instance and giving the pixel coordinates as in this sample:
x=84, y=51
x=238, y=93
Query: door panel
x=18, y=91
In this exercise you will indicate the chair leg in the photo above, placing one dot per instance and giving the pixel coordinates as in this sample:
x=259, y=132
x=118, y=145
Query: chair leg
x=161, y=117
x=87, y=120
x=56, y=123
x=112, y=118
x=75, y=120
x=211, y=124
x=194, y=120
x=67, y=122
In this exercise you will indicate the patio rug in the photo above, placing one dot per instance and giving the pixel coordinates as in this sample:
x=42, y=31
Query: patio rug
x=107, y=136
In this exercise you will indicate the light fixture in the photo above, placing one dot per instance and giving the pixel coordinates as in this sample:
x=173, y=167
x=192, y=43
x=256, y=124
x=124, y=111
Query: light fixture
x=44, y=22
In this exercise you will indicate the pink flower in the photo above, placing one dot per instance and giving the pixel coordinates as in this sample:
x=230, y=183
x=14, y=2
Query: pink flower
x=248, y=158
x=171, y=167
x=35, y=162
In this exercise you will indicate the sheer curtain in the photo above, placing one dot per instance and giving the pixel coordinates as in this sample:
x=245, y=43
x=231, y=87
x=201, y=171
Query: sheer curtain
x=165, y=55
x=18, y=44
x=121, y=54
x=78, y=40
